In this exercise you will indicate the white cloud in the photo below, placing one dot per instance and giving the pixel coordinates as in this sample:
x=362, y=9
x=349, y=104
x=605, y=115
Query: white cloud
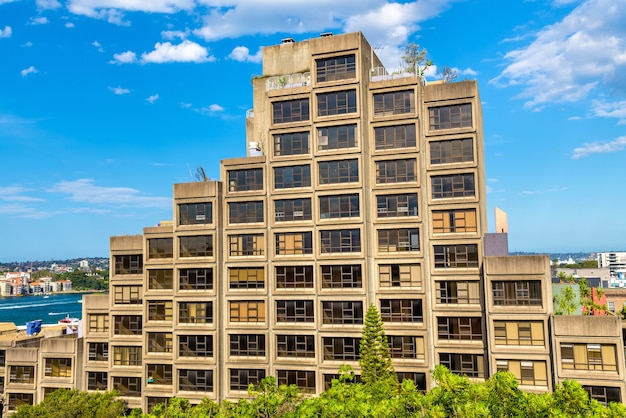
x=16, y=194
x=173, y=34
x=48, y=4
x=113, y=10
x=127, y=57
x=41, y=20
x=609, y=110
x=6, y=32
x=69, y=25
x=597, y=147
x=27, y=44
x=568, y=60
x=119, y=90
x=153, y=98
x=186, y=51
x=241, y=53
x=215, y=108
x=29, y=70
x=97, y=45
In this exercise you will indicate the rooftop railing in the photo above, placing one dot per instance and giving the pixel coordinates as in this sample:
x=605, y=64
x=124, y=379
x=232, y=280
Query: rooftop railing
x=287, y=81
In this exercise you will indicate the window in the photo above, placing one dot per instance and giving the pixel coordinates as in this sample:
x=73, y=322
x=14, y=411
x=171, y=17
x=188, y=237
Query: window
x=406, y=347
x=195, y=213
x=246, y=278
x=160, y=310
x=245, y=212
x=292, y=210
x=394, y=137
x=399, y=239
x=98, y=351
x=340, y=206
x=195, y=279
x=329, y=377
x=341, y=348
x=159, y=374
x=161, y=279
x=195, y=312
x=245, y=180
x=160, y=248
x=456, y=256
x=611, y=305
x=299, y=346
x=127, y=386
x=293, y=143
x=195, y=380
x=453, y=185
x=292, y=177
x=335, y=68
x=247, y=345
x=450, y=117
x=517, y=293
x=604, y=394
x=458, y=292
x=334, y=172
x=394, y=103
x=529, y=373
x=519, y=333
x=97, y=381
x=460, y=328
x=160, y=342
x=128, y=264
x=290, y=111
x=396, y=171
x=22, y=374
x=294, y=277
x=247, y=311
x=394, y=205
x=195, y=346
x=18, y=399
x=153, y=401
x=304, y=379
x=294, y=311
x=127, y=355
x=336, y=103
x=240, y=379
x=342, y=277
x=418, y=378
x=336, y=137
x=400, y=275
x=246, y=245
x=196, y=246
x=470, y=365
x=130, y=295
x=342, y=313
x=452, y=151
x=294, y=243
x=401, y=310
x=588, y=357
x=3, y=358
x=127, y=324
x=454, y=221
x=341, y=241
x=98, y=322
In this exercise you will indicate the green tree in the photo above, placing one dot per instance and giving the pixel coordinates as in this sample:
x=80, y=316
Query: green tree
x=589, y=264
x=566, y=301
x=66, y=403
x=448, y=74
x=374, y=354
x=415, y=59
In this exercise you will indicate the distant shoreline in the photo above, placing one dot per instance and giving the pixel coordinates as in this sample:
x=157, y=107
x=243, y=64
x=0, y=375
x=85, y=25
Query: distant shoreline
x=66, y=292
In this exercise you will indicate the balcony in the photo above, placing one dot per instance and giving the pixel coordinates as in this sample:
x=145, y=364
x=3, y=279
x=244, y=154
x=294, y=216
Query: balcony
x=288, y=81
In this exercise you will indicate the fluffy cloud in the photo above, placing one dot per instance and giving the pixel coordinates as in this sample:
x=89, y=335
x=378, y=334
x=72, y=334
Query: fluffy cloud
x=242, y=54
x=39, y=20
x=29, y=70
x=113, y=10
x=186, y=51
x=127, y=57
x=599, y=148
x=215, y=108
x=119, y=90
x=152, y=98
x=48, y=4
x=6, y=32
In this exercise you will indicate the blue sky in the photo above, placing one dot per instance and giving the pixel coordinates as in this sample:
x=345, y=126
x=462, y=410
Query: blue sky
x=104, y=104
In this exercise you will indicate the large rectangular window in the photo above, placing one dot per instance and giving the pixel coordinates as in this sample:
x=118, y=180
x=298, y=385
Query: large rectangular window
x=98, y=351
x=294, y=277
x=22, y=374
x=406, y=347
x=396, y=171
x=159, y=374
x=341, y=348
x=290, y=111
x=160, y=310
x=292, y=177
x=394, y=205
x=246, y=245
x=395, y=137
x=98, y=322
x=517, y=293
x=460, y=328
x=519, y=333
x=195, y=346
x=336, y=137
x=294, y=311
x=450, y=117
x=527, y=373
x=342, y=312
x=127, y=386
x=15, y=400
x=340, y=241
x=453, y=185
x=454, y=221
x=604, y=394
x=97, y=381
x=335, y=68
x=401, y=310
x=400, y=275
x=195, y=312
x=589, y=357
x=195, y=213
x=128, y=264
x=296, y=346
x=470, y=365
x=160, y=342
x=336, y=103
x=247, y=345
x=456, y=256
x=336, y=172
x=292, y=210
x=398, y=240
x=339, y=206
x=127, y=295
x=294, y=243
x=245, y=212
x=127, y=324
x=196, y=279
x=394, y=103
x=304, y=379
x=244, y=180
x=342, y=277
x=160, y=248
x=160, y=279
x=246, y=278
x=196, y=246
x=458, y=292
x=247, y=311
x=240, y=379
x=195, y=380
x=127, y=355
x=451, y=151
x=292, y=143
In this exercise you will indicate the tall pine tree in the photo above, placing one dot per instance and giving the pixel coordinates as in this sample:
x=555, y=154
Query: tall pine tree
x=375, y=357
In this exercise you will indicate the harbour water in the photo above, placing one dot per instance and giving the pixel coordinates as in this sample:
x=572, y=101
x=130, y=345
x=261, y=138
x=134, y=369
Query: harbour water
x=21, y=309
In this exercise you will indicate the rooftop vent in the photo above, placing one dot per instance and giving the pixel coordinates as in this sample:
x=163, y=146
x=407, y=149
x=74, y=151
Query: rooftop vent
x=326, y=34
x=287, y=40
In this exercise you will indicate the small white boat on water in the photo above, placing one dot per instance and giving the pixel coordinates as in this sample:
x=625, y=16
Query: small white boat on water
x=69, y=321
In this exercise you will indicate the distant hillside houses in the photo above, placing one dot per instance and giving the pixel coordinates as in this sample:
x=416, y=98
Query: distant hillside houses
x=19, y=284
